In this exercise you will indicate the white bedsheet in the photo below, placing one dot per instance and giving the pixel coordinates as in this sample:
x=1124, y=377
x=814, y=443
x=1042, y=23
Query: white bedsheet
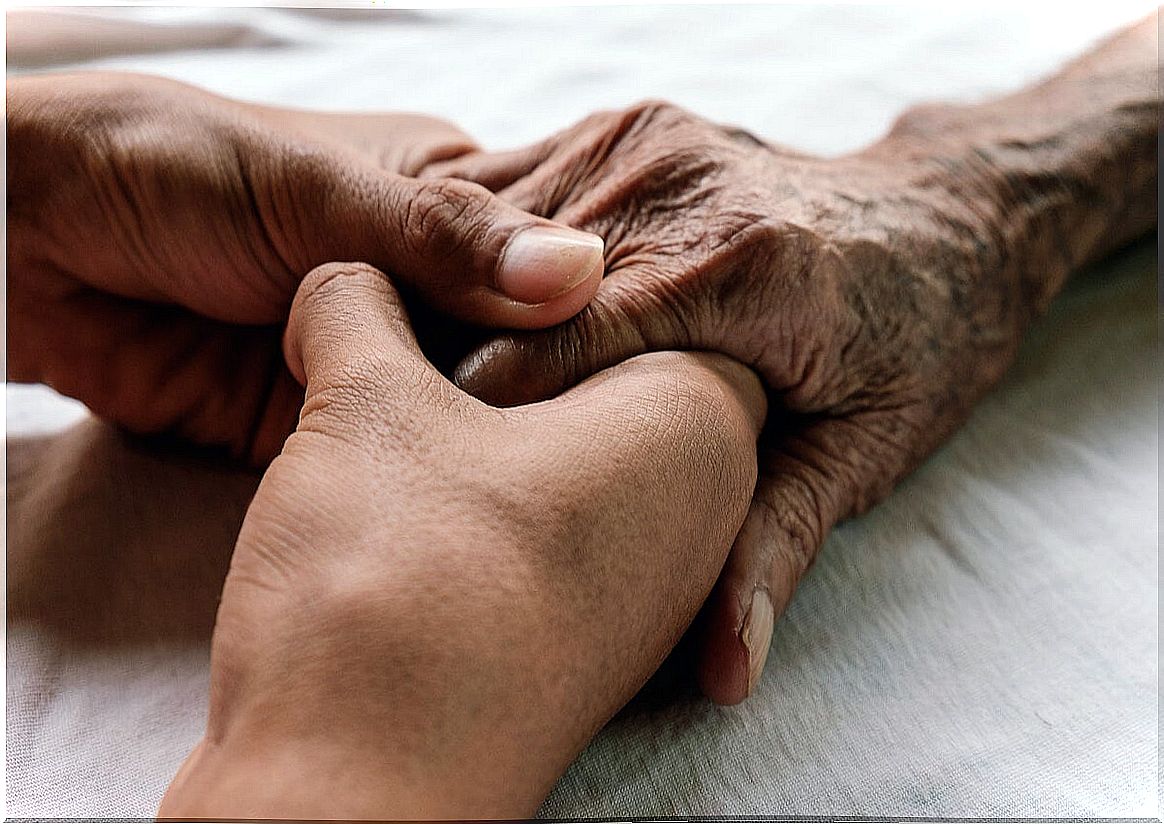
x=985, y=643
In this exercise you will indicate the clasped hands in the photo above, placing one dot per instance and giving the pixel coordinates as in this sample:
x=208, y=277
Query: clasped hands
x=438, y=599
x=435, y=602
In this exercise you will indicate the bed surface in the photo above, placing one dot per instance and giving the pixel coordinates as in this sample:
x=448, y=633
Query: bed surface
x=984, y=643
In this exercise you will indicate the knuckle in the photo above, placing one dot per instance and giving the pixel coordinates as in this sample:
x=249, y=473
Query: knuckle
x=333, y=288
x=688, y=405
x=665, y=301
x=653, y=110
x=677, y=415
x=641, y=124
x=793, y=514
x=445, y=216
x=722, y=423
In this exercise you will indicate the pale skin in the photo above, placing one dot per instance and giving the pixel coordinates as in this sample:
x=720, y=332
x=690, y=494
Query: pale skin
x=876, y=296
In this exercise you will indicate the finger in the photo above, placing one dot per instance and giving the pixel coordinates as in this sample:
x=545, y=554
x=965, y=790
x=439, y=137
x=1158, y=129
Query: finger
x=348, y=329
x=463, y=249
x=533, y=180
x=620, y=322
x=493, y=170
x=701, y=385
x=828, y=471
x=163, y=370
x=540, y=180
x=416, y=141
x=549, y=176
x=398, y=142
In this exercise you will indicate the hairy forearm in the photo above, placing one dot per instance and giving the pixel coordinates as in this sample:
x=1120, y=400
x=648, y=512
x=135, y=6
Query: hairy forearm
x=1062, y=173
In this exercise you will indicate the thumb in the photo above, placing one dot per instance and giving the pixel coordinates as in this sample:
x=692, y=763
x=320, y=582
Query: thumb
x=348, y=330
x=532, y=366
x=833, y=468
x=466, y=251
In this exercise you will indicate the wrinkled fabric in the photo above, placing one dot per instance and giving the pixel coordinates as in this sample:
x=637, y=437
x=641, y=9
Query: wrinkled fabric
x=983, y=643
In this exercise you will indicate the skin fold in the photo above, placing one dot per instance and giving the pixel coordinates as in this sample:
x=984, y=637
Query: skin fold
x=442, y=589
x=878, y=294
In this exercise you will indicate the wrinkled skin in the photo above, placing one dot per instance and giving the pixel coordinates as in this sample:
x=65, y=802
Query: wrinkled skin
x=434, y=604
x=878, y=295
x=157, y=234
x=834, y=297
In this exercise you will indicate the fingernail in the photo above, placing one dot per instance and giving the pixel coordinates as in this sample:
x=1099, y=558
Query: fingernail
x=757, y=635
x=546, y=261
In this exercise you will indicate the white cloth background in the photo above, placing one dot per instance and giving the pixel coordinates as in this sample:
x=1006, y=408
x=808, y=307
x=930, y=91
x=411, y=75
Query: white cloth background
x=985, y=643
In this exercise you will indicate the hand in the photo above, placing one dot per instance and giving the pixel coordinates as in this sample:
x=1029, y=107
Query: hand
x=434, y=604
x=878, y=295
x=157, y=234
x=398, y=142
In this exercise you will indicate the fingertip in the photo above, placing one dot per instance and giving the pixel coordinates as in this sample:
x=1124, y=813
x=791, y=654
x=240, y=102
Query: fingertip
x=567, y=284
x=450, y=167
x=484, y=260
x=539, y=365
x=474, y=374
x=722, y=669
x=297, y=320
x=736, y=642
x=496, y=374
x=337, y=305
x=487, y=307
x=756, y=634
x=542, y=263
x=493, y=170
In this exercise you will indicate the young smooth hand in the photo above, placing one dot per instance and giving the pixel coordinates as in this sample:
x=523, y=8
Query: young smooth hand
x=433, y=603
x=157, y=234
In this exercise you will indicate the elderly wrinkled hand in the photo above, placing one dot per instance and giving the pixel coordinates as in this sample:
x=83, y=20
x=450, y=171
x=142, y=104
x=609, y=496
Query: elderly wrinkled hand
x=443, y=601
x=877, y=294
x=157, y=233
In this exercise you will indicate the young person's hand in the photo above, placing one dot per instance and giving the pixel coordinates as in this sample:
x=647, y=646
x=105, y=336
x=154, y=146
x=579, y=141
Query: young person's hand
x=157, y=234
x=433, y=603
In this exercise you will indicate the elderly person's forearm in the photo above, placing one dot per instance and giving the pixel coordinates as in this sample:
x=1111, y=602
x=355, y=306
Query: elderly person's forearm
x=1065, y=171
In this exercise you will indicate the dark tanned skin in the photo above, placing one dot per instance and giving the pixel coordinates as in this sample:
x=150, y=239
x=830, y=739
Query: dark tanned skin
x=434, y=603
x=157, y=234
x=878, y=294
